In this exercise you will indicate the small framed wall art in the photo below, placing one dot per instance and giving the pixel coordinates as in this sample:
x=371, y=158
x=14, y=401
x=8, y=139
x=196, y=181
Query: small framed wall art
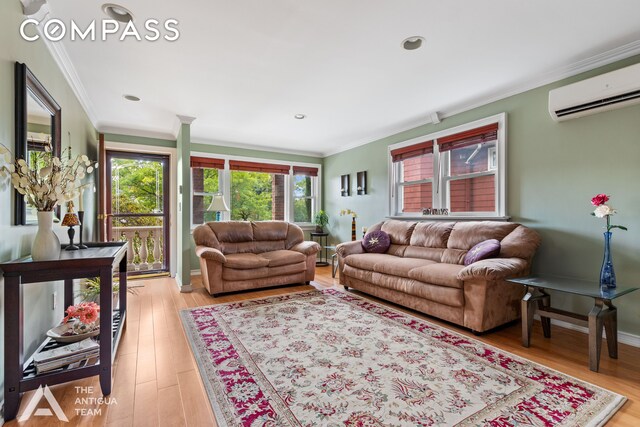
x=361, y=183
x=345, y=188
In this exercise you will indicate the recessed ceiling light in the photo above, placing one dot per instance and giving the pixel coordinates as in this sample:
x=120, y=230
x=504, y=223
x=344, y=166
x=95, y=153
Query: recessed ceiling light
x=131, y=98
x=300, y=116
x=117, y=12
x=412, y=43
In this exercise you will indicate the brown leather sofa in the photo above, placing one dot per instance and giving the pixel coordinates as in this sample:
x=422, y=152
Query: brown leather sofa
x=424, y=270
x=240, y=255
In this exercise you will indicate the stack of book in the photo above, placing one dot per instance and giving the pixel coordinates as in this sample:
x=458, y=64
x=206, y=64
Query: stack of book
x=75, y=353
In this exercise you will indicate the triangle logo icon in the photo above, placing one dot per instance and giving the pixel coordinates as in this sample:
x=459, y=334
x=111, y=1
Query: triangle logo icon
x=43, y=412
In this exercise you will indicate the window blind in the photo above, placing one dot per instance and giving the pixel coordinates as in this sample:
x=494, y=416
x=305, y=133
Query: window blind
x=304, y=170
x=400, y=154
x=470, y=137
x=238, y=165
x=206, y=162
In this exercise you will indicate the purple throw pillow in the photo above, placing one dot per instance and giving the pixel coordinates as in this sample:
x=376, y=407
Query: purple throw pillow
x=376, y=242
x=483, y=250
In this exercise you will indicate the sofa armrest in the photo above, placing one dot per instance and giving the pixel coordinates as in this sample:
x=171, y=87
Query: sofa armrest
x=307, y=247
x=210, y=253
x=349, y=248
x=494, y=269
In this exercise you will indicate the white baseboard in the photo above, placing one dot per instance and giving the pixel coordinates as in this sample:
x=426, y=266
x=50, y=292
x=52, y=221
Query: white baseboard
x=195, y=272
x=623, y=337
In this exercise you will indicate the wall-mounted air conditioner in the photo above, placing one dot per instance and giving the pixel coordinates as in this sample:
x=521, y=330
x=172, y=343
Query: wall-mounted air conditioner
x=608, y=91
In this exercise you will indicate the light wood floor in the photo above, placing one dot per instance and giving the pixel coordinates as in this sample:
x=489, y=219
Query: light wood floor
x=157, y=383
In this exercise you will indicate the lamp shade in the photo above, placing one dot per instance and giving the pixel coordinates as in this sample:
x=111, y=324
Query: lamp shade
x=70, y=220
x=218, y=204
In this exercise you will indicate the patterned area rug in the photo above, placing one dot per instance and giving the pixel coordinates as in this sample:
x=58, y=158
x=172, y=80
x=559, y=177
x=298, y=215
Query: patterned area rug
x=335, y=359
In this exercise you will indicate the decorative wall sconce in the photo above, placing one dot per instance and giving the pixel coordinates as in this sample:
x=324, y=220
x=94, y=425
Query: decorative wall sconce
x=345, y=187
x=361, y=182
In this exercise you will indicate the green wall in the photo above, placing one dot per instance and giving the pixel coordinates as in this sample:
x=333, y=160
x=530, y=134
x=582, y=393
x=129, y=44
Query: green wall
x=77, y=131
x=553, y=171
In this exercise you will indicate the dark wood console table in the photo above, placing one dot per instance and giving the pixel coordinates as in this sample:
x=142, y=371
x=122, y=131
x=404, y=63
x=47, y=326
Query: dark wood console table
x=97, y=261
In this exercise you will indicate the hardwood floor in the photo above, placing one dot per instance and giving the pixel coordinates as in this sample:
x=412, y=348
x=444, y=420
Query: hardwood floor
x=157, y=383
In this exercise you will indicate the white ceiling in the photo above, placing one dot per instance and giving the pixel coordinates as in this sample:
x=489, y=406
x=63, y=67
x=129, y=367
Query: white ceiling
x=244, y=68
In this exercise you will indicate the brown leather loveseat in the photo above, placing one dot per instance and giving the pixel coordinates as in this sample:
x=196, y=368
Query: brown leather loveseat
x=423, y=269
x=240, y=255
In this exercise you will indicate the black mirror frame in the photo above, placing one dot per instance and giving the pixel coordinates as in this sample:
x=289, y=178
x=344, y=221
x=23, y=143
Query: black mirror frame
x=25, y=81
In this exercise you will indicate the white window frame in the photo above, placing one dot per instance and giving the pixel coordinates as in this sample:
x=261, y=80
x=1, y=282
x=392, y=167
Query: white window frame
x=441, y=179
x=315, y=191
x=224, y=185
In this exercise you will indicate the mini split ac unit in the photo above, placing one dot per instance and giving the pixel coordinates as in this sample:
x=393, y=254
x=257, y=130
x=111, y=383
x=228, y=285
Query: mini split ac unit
x=605, y=92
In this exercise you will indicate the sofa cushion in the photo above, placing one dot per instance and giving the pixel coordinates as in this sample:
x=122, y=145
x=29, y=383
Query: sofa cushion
x=440, y=294
x=399, y=231
x=520, y=243
x=376, y=242
x=232, y=231
x=268, y=245
x=483, y=250
x=368, y=261
x=465, y=235
x=233, y=274
x=282, y=270
x=434, y=254
x=245, y=261
x=283, y=257
x=270, y=230
x=400, y=266
x=438, y=274
x=431, y=234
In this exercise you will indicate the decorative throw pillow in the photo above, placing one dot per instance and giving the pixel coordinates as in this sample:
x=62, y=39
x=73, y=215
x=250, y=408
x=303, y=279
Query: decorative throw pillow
x=483, y=250
x=376, y=242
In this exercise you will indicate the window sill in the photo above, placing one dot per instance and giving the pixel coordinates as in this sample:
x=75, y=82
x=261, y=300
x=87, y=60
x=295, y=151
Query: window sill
x=450, y=218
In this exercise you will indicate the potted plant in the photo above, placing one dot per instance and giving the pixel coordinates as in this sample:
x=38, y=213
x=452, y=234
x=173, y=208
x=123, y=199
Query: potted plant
x=90, y=291
x=321, y=220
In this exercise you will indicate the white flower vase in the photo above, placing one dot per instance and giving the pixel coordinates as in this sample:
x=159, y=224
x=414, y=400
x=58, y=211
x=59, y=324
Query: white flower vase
x=46, y=245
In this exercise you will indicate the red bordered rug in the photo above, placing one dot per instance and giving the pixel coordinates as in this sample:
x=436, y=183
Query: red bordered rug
x=335, y=359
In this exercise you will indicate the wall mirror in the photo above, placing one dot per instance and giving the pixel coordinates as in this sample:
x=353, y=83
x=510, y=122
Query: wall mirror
x=38, y=122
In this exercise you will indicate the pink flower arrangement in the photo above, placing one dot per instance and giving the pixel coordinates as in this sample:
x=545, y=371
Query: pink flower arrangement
x=86, y=312
x=603, y=210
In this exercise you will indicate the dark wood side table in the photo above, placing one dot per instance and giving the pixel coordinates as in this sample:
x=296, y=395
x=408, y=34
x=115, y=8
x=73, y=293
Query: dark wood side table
x=98, y=260
x=320, y=238
x=603, y=314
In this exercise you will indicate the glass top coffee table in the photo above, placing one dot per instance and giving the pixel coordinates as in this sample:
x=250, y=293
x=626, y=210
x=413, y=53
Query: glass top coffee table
x=603, y=314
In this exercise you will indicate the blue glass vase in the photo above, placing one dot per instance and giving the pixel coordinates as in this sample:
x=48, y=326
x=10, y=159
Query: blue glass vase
x=607, y=275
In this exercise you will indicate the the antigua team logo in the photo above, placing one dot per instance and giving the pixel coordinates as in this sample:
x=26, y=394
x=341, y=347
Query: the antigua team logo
x=43, y=412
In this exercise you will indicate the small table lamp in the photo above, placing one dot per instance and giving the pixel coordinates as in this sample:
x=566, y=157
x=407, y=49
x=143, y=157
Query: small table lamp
x=218, y=205
x=70, y=220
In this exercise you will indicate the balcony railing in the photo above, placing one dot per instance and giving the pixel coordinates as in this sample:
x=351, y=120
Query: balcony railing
x=145, y=248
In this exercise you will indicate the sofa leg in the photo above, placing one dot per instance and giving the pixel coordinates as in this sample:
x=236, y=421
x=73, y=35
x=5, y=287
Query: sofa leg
x=346, y=288
x=308, y=282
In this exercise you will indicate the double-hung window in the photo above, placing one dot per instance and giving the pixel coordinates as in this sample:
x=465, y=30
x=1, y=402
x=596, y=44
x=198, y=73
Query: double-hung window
x=458, y=172
x=305, y=194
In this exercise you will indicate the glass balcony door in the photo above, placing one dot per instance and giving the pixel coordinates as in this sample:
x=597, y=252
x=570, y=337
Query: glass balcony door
x=138, y=208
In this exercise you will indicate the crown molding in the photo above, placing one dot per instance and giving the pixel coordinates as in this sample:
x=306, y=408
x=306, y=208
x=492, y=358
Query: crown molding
x=60, y=56
x=588, y=64
x=145, y=133
x=243, y=146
